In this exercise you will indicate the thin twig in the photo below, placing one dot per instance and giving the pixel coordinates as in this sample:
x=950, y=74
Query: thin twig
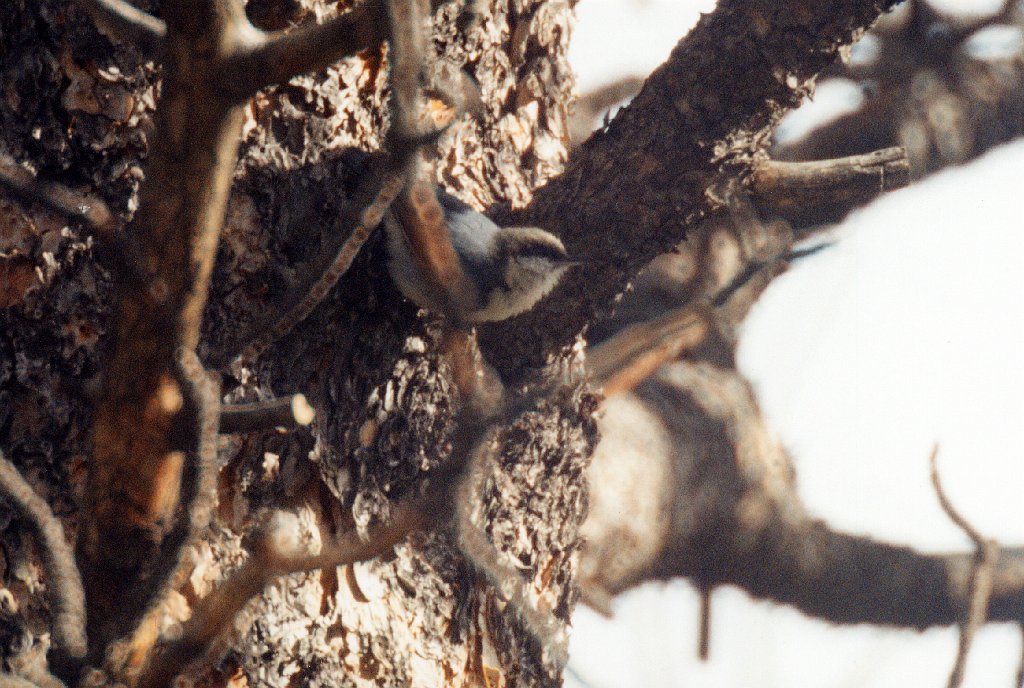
x=403, y=142
x=25, y=187
x=1020, y=666
x=63, y=582
x=214, y=613
x=622, y=362
x=127, y=24
x=267, y=333
x=704, y=636
x=288, y=412
x=985, y=556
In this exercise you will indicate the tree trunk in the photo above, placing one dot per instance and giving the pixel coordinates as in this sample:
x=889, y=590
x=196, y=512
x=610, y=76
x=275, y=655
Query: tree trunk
x=80, y=111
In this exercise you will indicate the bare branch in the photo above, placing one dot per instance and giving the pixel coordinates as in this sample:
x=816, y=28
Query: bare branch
x=823, y=191
x=197, y=436
x=1019, y=683
x=622, y=362
x=144, y=427
x=390, y=184
x=947, y=506
x=63, y=582
x=278, y=57
x=589, y=105
x=403, y=142
x=289, y=412
x=704, y=635
x=25, y=187
x=761, y=538
x=986, y=553
x=270, y=560
x=127, y=24
x=214, y=613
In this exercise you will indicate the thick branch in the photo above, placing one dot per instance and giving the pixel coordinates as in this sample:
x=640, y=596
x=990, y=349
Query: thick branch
x=852, y=579
x=737, y=518
x=633, y=189
x=823, y=191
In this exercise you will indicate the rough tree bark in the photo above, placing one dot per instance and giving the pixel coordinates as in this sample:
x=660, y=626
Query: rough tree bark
x=79, y=110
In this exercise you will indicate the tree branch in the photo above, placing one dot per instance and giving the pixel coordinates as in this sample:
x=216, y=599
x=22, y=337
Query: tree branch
x=735, y=517
x=289, y=412
x=986, y=552
x=27, y=188
x=127, y=24
x=63, y=582
x=278, y=57
x=706, y=112
x=147, y=422
x=272, y=557
x=824, y=191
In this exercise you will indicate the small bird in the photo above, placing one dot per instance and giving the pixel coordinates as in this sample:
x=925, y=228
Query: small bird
x=507, y=269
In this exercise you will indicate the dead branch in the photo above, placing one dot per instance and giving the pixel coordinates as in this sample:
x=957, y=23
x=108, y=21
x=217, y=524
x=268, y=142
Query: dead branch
x=267, y=563
x=289, y=412
x=704, y=634
x=388, y=186
x=124, y=23
x=27, y=188
x=135, y=478
x=625, y=360
x=969, y=106
x=1020, y=666
x=63, y=582
x=824, y=191
x=986, y=553
x=276, y=58
x=135, y=475
x=196, y=435
x=405, y=27
x=400, y=189
x=271, y=559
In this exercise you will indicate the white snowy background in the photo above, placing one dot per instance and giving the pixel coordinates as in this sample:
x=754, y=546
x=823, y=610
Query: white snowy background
x=907, y=332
